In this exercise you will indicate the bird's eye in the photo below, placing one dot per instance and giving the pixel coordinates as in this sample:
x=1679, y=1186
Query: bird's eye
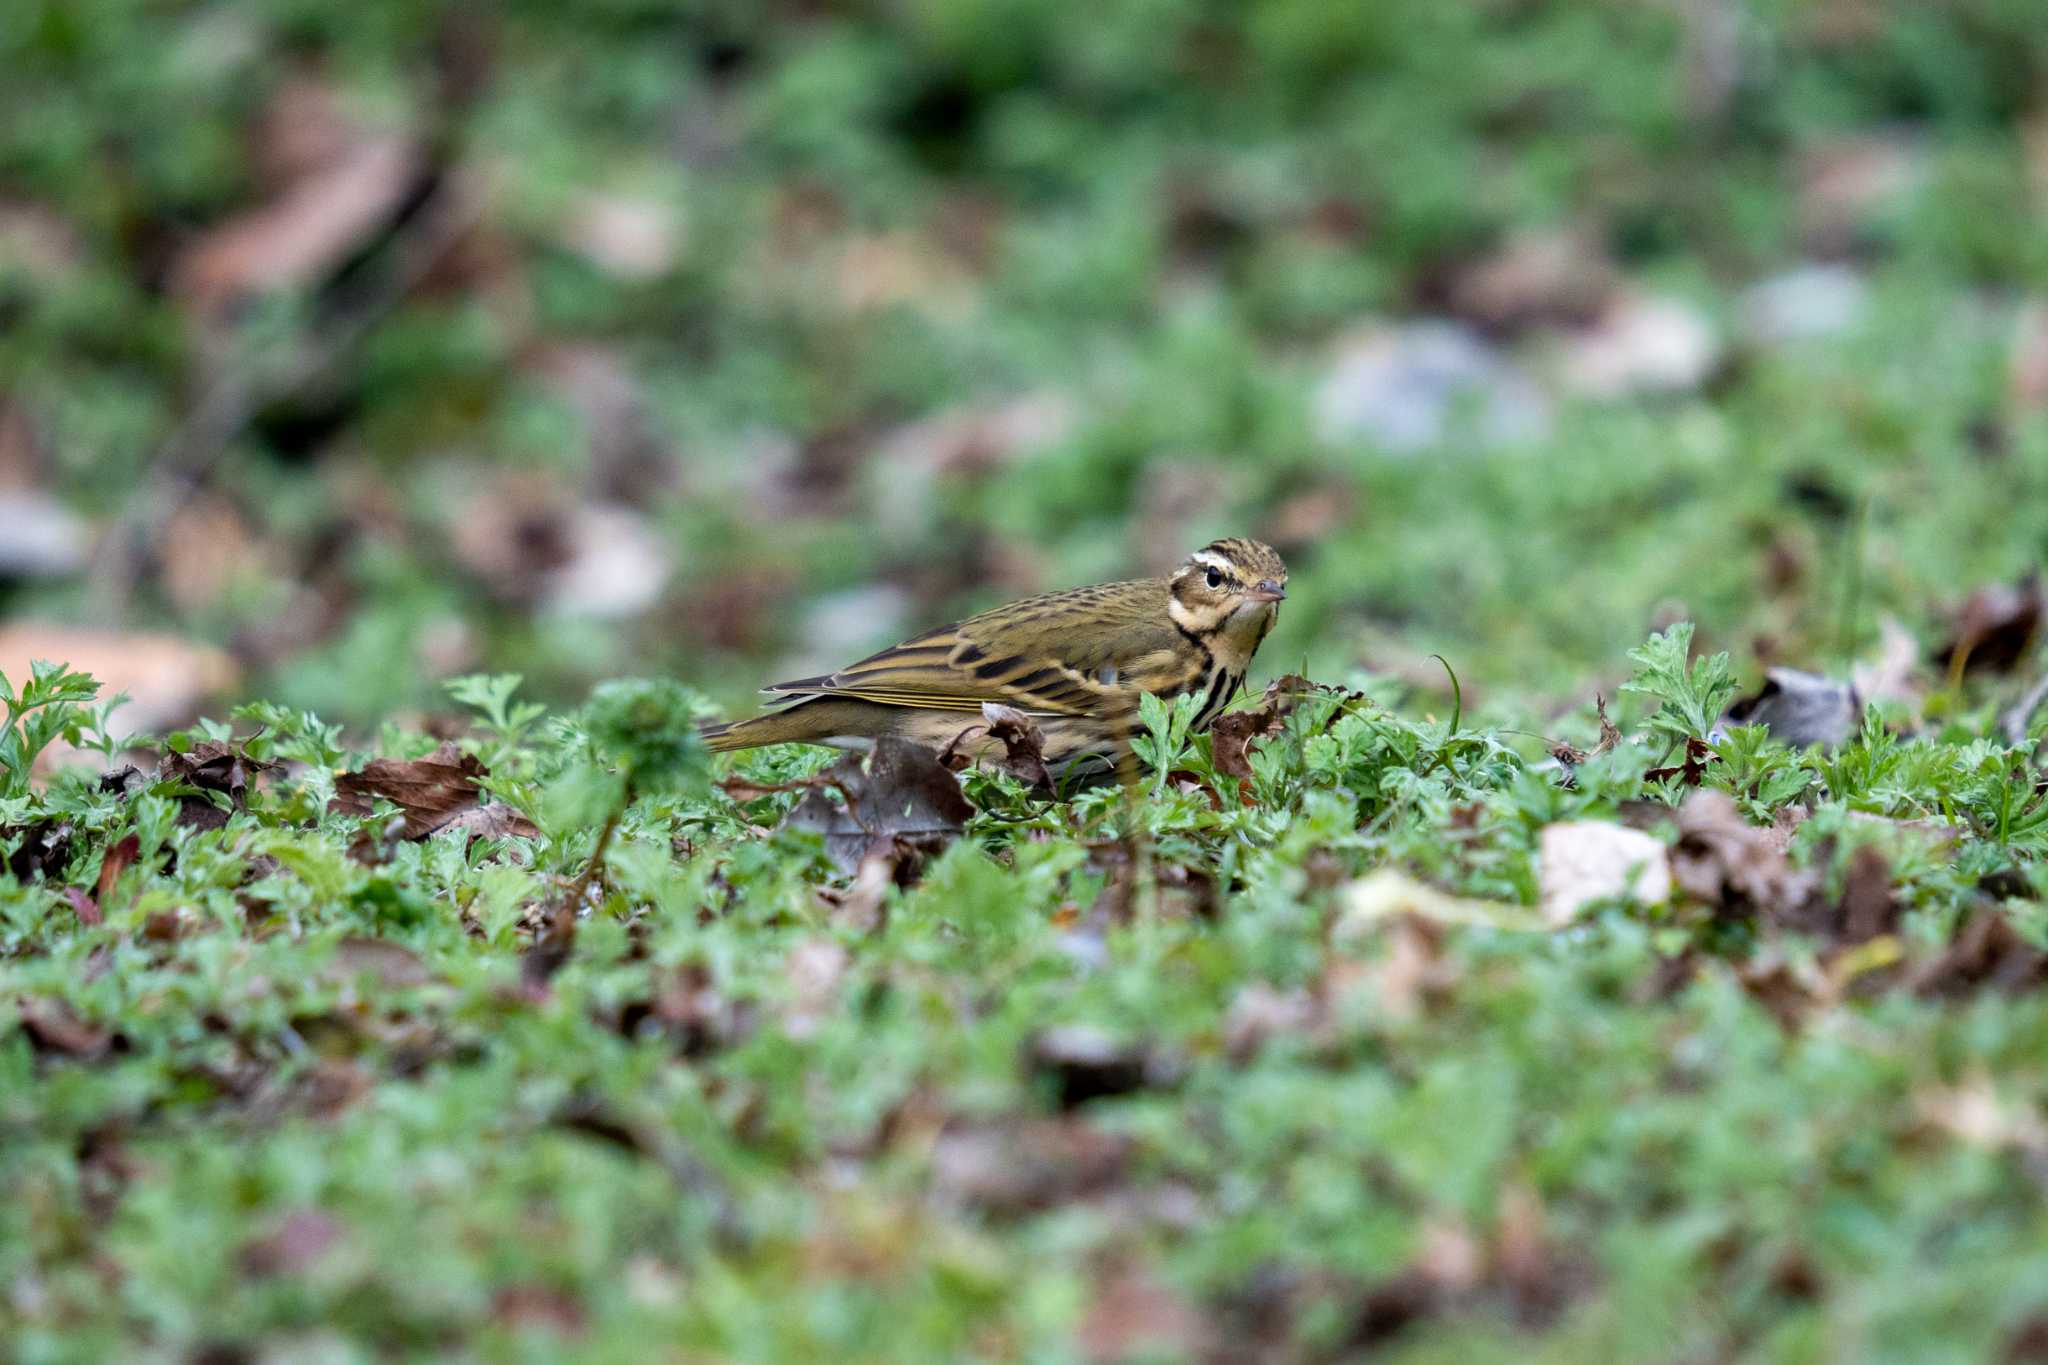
x=1215, y=578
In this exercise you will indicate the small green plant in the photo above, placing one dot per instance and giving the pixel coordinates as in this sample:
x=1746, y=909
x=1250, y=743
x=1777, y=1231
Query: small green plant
x=1690, y=693
x=53, y=703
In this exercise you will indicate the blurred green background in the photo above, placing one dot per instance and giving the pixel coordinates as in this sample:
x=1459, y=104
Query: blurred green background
x=344, y=348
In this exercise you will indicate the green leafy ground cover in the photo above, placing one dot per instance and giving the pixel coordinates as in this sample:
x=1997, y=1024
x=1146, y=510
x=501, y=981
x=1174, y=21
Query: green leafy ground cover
x=836, y=320
x=1284, y=1066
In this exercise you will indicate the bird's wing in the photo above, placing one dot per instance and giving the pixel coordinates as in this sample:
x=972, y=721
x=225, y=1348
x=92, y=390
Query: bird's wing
x=1067, y=653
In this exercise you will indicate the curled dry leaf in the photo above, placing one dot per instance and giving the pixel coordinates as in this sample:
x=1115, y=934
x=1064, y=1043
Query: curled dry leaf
x=1689, y=773
x=1023, y=745
x=897, y=791
x=441, y=791
x=1987, y=953
x=1231, y=734
x=340, y=184
x=1995, y=627
x=222, y=766
x=1721, y=860
x=53, y=1026
x=1800, y=709
x=43, y=848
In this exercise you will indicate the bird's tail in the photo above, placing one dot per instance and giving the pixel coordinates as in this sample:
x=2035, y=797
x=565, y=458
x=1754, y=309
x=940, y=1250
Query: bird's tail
x=810, y=721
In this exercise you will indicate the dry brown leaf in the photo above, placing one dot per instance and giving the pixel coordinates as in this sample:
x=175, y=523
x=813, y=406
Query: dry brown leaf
x=53, y=1026
x=1553, y=276
x=897, y=791
x=1021, y=742
x=337, y=184
x=1722, y=861
x=441, y=791
x=1987, y=953
x=1995, y=627
x=118, y=859
x=1026, y=1165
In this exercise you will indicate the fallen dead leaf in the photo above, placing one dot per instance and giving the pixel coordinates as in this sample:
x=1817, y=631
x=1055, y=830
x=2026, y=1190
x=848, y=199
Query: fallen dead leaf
x=897, y=791
x=441, y=791
x=1022, y=745
x=341, y=183
x=212, y=765
x=1995, y=627
x=53, y=1026
x=1545, y=276
x=1987, y=953
x=1017, y=1166
x=1722, y=861
x=1582, y=863
x=1692, y=771
x=118, y=859
x=1800, y=709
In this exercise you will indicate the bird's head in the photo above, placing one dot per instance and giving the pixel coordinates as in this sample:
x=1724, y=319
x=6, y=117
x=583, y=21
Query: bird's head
x=1231, y=587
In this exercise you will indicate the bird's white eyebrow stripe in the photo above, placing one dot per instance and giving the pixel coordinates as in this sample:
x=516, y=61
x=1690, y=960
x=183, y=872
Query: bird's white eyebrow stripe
x=1214, y=561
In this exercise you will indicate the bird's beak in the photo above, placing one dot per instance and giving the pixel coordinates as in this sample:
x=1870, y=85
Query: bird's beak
x=1268, y=591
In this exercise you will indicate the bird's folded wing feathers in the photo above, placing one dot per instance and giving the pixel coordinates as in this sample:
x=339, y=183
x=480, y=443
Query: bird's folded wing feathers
x=1057, y=655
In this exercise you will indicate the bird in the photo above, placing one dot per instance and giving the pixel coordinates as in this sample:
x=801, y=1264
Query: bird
x=1076, y=661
